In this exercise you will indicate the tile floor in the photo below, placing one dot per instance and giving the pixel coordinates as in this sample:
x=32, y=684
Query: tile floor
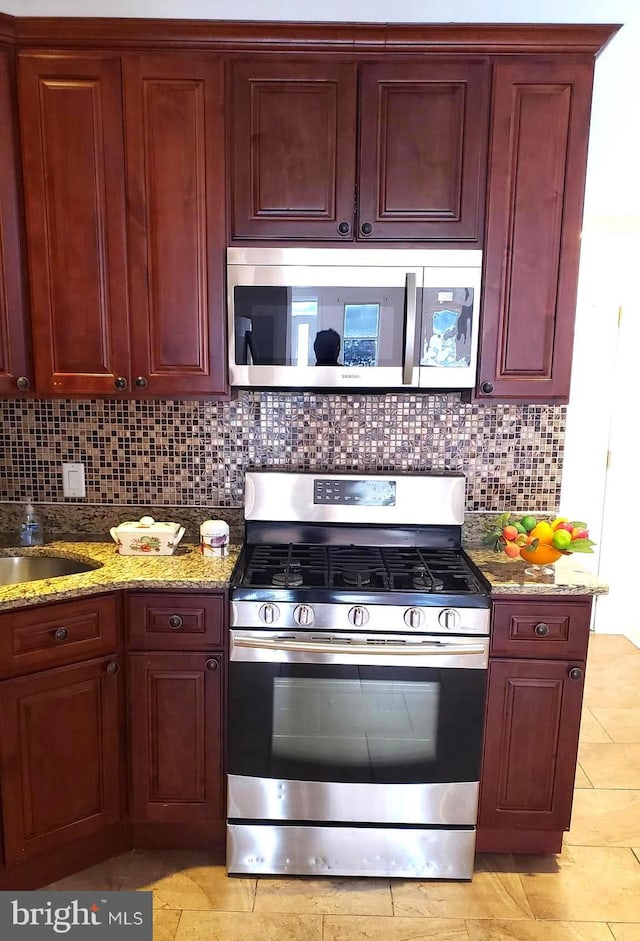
x=591, y=892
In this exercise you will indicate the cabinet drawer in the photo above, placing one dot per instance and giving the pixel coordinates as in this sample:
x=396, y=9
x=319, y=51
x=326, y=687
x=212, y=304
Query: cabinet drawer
x=541, y=627
x=57, y=634
x=175, y=621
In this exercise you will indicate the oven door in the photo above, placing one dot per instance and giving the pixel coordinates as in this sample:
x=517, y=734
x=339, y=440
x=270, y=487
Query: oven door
x=355, y=727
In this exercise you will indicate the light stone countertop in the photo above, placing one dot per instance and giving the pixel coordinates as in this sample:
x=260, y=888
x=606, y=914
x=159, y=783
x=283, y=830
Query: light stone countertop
x=507, y=576
x=187, y=569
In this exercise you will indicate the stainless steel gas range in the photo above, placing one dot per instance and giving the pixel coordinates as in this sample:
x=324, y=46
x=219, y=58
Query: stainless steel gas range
x=358, y=666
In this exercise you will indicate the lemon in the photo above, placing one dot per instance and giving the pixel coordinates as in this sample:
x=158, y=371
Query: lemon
x=543, y=532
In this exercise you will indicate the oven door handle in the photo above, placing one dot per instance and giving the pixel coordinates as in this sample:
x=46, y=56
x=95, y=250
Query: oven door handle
x=261, y=643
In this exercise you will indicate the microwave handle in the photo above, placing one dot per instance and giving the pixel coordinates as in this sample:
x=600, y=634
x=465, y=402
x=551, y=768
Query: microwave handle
x=410, y=329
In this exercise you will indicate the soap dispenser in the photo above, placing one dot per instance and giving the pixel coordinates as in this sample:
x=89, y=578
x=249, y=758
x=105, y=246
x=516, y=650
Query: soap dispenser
x=31, y=528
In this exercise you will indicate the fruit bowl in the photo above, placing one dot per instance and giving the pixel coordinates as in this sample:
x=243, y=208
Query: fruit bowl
x=540, y=543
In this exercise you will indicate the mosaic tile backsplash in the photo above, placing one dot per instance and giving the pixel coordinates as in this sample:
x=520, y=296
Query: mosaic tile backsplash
x=184, y=453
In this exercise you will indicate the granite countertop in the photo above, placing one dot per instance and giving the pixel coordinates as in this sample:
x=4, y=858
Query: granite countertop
x=507, y=577
x=188, y=569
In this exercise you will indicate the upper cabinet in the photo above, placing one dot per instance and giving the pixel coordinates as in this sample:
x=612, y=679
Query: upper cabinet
x=15, y=366
x=385, y=150
x=124, y=185
x=537, y=165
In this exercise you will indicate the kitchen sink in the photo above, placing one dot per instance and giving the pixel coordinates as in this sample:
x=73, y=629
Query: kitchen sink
x=28, y=568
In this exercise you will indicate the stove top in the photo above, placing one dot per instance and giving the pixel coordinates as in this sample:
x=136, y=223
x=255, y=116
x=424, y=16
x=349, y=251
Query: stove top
x=375, y=568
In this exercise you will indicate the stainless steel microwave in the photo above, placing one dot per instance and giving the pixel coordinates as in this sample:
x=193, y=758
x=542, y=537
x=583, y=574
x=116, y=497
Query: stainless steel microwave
x=353, y=318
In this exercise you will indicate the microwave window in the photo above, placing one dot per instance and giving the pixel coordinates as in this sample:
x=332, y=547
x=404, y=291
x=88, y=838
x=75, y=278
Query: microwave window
x=323, y=326
x=447, y=319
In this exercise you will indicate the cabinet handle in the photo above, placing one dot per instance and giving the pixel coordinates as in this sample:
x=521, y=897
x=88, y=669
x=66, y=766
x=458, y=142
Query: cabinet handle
x=175, y=622
x=344, y=228
x=366, y=228
x=487, y=388
x=575, y=673
x=542, y=629
x=141, y=382
x=113, y=667
x=212, y=665
x=61, y=634
x=22, y=383
x=121, y=383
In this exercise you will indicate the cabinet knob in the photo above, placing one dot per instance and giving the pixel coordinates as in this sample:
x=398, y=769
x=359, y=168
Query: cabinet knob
x=542, y=629
x=141, y=382
x=113, y=667
x=120, y=383
x=212, y=665
x=487, y=388
x=22, y=383
x=175, y=622
x=575, y=673
x=61, y=634
x=344, y=228
x=366, y=228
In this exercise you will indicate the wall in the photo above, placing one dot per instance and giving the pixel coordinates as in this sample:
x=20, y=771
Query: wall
x=196, y=453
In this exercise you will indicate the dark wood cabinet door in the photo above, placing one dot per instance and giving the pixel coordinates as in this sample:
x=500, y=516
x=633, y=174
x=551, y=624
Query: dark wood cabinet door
x=15, y=365
x=537, y=163
x=73, y=158
x=61, y=756
x=176, y=216
x=293, y=149
x=422, y=150
x=175, y=702
x=531, y=744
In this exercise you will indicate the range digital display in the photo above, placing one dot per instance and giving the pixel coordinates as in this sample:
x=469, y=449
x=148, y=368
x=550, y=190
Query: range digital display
x=355, y=492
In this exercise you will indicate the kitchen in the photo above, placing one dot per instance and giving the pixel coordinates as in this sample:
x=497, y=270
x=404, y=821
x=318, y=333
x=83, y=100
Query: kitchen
x=202, y=462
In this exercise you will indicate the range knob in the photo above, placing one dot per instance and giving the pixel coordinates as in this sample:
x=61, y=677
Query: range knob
x=449, y=619
x=358, y=616
x=269, y=613
x=414, y=617
x=304, y=615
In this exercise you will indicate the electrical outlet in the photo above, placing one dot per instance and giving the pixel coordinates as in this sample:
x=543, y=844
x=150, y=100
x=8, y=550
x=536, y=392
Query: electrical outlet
x=73, y=484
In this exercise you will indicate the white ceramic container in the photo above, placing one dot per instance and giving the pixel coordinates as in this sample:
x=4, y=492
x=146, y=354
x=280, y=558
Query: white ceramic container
x=147, y=537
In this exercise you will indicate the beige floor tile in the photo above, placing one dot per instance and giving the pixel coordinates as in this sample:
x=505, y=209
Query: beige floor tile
x=590, y=728
x=188, y=880
x=621, y=725
x=493, y=930
x=636, y=850
x=165, y=924
x=378, y=928
x=324, y=896
x=108, y=875
x=611, y=765
x=494, y=892
x=625, y=932
x=590, y=884
x=248, y=926
x=581, y=778
x=605, y=817
x=613, y=664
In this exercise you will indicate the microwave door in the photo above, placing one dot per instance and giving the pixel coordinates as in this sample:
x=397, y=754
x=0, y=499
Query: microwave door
x=323, y=326
x=448, y=343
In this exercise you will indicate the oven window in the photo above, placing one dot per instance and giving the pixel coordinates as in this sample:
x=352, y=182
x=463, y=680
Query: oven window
x=360, y=724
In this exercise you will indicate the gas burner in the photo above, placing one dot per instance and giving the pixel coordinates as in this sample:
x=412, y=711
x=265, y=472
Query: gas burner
x=425, y=581
x=290, y=577
x=356, y=576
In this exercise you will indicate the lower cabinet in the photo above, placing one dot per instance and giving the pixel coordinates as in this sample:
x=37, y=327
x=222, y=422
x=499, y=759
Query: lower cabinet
x=175, y=704
x=176, y=682
x=61, y=753
x=534, y=702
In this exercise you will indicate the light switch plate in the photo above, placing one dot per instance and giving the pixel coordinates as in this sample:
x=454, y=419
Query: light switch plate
x=73, y=484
